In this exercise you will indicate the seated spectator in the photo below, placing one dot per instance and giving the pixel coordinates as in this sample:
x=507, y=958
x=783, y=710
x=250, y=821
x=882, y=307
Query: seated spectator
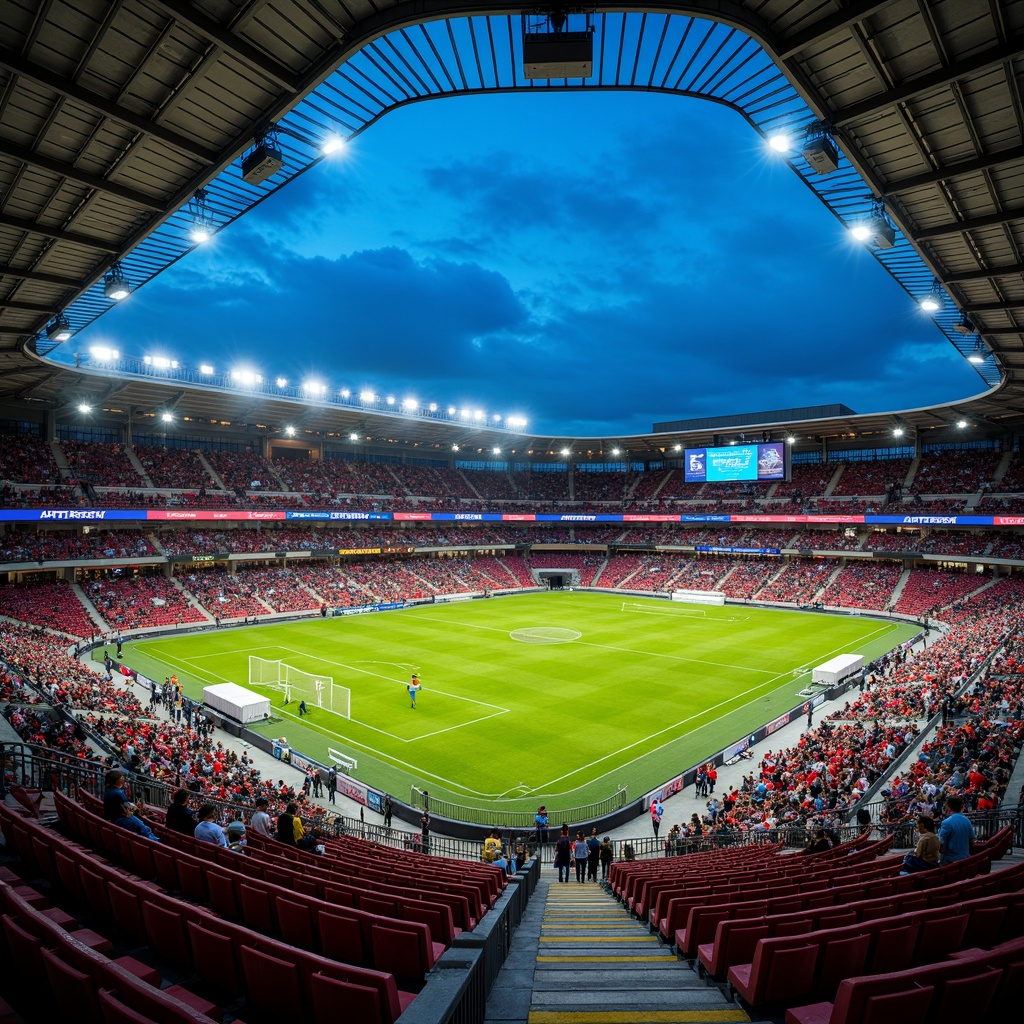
x=207, y=830
x=179, y=817
x=926, y=853
x=119, y=809
x=820, y=843
x=236, y=836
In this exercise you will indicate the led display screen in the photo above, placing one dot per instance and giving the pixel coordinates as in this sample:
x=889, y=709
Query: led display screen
x=737, y=463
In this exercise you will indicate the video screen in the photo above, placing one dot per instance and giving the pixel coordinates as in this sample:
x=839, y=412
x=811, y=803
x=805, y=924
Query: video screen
x=737, y=463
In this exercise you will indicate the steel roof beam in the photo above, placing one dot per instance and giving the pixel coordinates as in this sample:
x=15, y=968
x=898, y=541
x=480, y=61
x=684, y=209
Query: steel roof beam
x=992, y=307
x=1009, y=270
x=925, y=83
x=183, y=12
x=72, y=173
x=59, y=84
x=27, y=307
x=828, y=26
x=971, y=224
x=6, y=221
x=981, y=163
x=38, y=277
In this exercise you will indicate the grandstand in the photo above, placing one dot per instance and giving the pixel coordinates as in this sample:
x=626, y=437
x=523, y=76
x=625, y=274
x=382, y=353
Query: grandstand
x=151, y=498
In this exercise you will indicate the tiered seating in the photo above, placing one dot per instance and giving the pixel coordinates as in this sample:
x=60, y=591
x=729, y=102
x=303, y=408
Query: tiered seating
x=798, y=582
x=863, y=585
x=432, y=480
x=219, y=593
x=386, y=580
x=27, y=460
x=45, y=496
x=872, y=477
x=827, y=540
x=450, y=575
x=106, y=464
x=700, y=573
x=145, y=601
x=542, y=486
x=807, y=480
x=927, y=592
x=179, y=468
x=747, y=579
x=619, y=568
x=955, y=472
x=519, y=569
x=599, y=486
x=277, y=588
x=53, y=605
x=243, y=469
x=69, y=545
x=647, y=484
x=494, y=570
x=496, y=485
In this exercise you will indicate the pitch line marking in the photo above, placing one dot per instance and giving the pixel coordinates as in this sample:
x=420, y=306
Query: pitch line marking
x=887, y=628
x=629, y=650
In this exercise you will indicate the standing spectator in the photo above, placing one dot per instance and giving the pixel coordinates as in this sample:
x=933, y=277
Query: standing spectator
x=425, y=831
x=318, y=785
x=809, y=712
x=712, y=776
x=179, y=818
x=580, y=852
x=656, y=812
x=607, y=856
x=956, y=833
x=388, y=809
x=332, y=778
x=261, y=820
x=541, y=818
x=593, y=854
x=207, y=830
x=563, y=854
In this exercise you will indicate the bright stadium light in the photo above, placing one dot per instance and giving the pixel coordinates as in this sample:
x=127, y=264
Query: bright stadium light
x=455, y=447
x=345, y=393
x=289, y=431
x=84, y=408
x=615, y=451
x=353, y=436
x=790, y=440
x=160, y=362
x=390, y=399
x=478, y=415
x=451, y=410
x=516, y=421
x=409, y=404
x=496, y=451
x=464, y=413
x=432, y=407
x=932, y=302
x=898, y=431
x=678, y=448
x=102, y=354
x=206, y=369
x=961, y=424
x=565, y=451
x=314, y=387
x=979, y=355
x=167, y=417
x=115, y=284
x=59, y=329
x=201, y=227
x=247, y=378
x=367, y=396
x=332, y=144
x=497, y=417
x=780, y=142
x=281, y=382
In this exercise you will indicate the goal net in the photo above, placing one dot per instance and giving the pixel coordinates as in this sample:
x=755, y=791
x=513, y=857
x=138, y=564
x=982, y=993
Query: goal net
x=318, y=691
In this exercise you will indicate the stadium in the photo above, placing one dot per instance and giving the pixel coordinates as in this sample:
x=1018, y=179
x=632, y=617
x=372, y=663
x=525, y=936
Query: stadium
x=428, y=629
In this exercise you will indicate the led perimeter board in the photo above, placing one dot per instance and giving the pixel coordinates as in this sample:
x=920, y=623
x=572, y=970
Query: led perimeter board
x=738, y=462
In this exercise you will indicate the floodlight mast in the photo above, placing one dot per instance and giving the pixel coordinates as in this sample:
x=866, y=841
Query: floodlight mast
x=552, y=47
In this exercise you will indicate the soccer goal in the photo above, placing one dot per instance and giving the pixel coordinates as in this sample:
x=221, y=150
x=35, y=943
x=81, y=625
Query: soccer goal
x=318, y=691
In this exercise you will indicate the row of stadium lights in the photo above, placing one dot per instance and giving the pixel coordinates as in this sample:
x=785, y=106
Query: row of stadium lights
x=875, y=230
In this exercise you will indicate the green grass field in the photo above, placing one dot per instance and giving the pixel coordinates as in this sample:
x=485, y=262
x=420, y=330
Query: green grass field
x=648, y=689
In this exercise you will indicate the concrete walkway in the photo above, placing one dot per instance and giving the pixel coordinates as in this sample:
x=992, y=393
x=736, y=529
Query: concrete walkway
x=579, y=958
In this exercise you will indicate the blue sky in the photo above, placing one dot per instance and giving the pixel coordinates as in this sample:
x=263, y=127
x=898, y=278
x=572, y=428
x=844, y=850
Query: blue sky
x=595, y=262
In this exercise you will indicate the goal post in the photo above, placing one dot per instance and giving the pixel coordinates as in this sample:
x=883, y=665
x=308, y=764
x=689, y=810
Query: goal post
x=265, y=672
x=317, y=690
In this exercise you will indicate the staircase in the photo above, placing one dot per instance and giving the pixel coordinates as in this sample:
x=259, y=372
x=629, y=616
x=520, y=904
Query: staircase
x=594, y=964
x=898, y=589
x=137, y=465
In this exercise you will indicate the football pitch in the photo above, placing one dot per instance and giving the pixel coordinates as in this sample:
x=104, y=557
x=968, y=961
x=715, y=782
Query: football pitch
x=647, y=689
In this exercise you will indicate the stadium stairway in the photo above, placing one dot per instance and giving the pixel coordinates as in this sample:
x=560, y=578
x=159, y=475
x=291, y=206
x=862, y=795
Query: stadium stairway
x=579, y=958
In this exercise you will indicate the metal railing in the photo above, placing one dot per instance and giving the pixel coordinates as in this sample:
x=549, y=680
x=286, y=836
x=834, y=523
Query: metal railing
x=522, y=821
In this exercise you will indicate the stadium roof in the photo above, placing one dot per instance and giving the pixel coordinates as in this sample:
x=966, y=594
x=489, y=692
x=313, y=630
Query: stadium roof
x=114, y=114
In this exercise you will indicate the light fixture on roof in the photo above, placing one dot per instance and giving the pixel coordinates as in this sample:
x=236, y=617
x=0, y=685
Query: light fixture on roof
x=780, y=141
x=818, y=149
x=615, y=451
x=103, y=354
x=264, y=160
x=160, y=362
x=964, y=326
x=202, y=226
x=496, y=451
x=390, y=399
x=565, y=451
x=432, y=407
x=247, y=378
x=334, y=143
x=898, y=430
x=314, y=387
x=84, y=408
x=478, y=415
x=790, y=440
x=677, y=448
x=289, y=430
x=961, y=424
x=115, y=284
x=932, y=302
x=353, y=436
x=281, y=382
x=206, y=369
x=875, y=229
x=59, y=329
x=167, y=417
x=409, y=404
x=979, y=354
x=455, y=447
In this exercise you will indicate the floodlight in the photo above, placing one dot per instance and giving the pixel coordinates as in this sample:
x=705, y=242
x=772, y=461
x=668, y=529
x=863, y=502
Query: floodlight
x=409, y=403
x=84, y=407
x=615, y=451
x=200, y=232
x=102, y=354
x=451, y=410
x=345, y=393
x=516, y=421
x=678, y=448
x=281, y=382
x=961, y=424
x=818, y=149
x=367, y=396
x=875, y=229
x=167, y=417
x=861, y=231
x=497, y=451
x=479, y=414
x=202, y=227
x=565, y=451
x=353, y=436
x=932, y=302
x=497, y=417
x=780, y=142
x=290, y=431
x=390, y=399
x=979, y=355
x=455, y=447
x=898, y=431
x=264, y=160
x=207, y=369
x=115, y=284
x=160, y=362
x=247, y=378
x=464, y=413
x=314, y=387
x=432, y=407
x=332, y=144
x=59, y=329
